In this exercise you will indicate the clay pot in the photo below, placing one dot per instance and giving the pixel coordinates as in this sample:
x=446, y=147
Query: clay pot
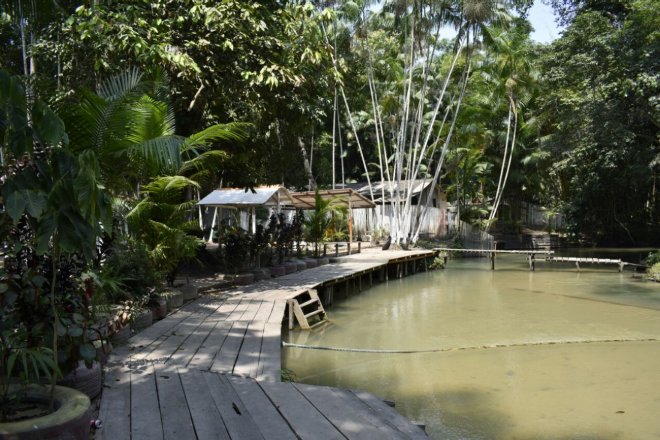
x=277, y=271
x=190, y=292
x=143, y=320
x=70, y=420
x=86, y=380
x=159, y=311
x=174, y=300
x=121, y=335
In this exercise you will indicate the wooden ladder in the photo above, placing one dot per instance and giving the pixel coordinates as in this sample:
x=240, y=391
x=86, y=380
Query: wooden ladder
x=305, y=307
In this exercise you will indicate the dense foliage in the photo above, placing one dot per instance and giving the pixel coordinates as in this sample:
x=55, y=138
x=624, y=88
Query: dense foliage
x=571, y=125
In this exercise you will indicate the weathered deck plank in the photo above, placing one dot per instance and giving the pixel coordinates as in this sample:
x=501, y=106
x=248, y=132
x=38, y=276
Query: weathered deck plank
x=235, y=415
x=270, y=358
x=205, y=416
x=145, y=408
x=391, y=417
x=176, y=419
x=206, y=353
x=116, y=403
x=306, y=421
x=270, y=421
x=341, y=406
x=247, y=361
x=225, y=359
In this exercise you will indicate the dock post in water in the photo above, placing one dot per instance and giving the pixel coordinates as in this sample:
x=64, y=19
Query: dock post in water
x=532, y=262
x=492, y=260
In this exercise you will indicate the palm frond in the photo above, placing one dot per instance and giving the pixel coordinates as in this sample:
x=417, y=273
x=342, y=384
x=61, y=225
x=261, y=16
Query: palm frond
x=163, y=151
x=235, y=131
x=118, y=86
x=206, y=161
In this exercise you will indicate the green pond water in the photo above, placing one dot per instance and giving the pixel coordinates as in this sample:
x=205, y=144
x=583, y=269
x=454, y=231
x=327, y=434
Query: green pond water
x=550, y=354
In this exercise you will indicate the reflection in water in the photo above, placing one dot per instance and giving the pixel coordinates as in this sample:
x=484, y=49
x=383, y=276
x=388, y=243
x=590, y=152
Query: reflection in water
x=549, y=391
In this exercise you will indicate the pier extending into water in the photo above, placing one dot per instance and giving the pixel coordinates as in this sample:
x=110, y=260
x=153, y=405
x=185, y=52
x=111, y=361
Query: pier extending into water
x=212, y=369
x=548, y=254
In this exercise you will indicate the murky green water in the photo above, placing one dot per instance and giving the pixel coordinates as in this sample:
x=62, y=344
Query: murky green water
x=525, y=359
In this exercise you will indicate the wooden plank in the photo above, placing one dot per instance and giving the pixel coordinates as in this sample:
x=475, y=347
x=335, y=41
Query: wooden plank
x=184, y=354
x=251, y=310
x=159, y=328
x=270, y=358
x=237, y=419
x=264, y=311
x=115, y=410
x=226, y=358
x=206, y=353
x=174, y=412
x=247, y=361
x=179, y=335
x=206, y=417
x=270, y=421
x=145, y=410
x=390, y=416
x=349, y=414
x=172, y=323
x=305, y=420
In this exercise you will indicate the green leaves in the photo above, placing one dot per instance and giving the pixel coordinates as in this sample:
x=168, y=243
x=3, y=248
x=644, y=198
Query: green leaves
x=25, y=200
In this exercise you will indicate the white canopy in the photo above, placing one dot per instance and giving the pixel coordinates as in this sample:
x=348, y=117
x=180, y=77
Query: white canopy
x=267, y=196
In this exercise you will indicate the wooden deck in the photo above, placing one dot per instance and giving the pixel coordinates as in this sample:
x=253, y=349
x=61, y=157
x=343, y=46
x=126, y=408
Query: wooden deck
x=212, y=370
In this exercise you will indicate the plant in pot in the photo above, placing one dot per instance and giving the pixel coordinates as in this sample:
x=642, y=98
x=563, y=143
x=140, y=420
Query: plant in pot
x=54, y=207
x=160, y=221
x=327, y=214
x=237, y=244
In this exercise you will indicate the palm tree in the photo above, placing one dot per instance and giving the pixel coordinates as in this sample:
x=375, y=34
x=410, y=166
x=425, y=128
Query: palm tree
x=326, y=213
x=160, y=221
x=129, y=122
x=513, y=78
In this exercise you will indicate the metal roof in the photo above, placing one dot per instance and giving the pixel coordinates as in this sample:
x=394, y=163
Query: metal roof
x=414, y=186
x=237, y=197
x=307, y=200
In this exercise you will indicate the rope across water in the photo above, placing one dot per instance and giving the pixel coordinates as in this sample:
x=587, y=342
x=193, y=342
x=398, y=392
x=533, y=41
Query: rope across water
x=475, y=347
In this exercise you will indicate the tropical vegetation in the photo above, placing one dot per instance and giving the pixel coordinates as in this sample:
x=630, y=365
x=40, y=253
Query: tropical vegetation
x=115, y=116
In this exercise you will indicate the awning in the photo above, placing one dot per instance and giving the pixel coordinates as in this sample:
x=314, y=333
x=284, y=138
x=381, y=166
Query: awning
x=348, y=197
x=246, y=198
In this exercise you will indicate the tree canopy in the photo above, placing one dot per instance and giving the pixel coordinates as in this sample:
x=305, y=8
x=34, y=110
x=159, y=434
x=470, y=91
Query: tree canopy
x=344, y=91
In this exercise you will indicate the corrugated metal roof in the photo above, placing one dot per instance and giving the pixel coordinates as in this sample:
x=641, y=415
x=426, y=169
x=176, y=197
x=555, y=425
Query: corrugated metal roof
x=414, y=186
x=307, y=200
x=237, y=197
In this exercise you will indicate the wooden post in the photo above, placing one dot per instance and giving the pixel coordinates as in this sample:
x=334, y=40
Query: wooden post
x=290, y=307
x=531, y=262
x=325, y=249
x=359, y=247
x=348, y=247
x=336, y=249
x=492, y=261
x=350, y=221
x=215, y=216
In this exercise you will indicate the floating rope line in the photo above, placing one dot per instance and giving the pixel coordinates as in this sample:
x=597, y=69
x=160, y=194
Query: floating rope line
x=475, y=347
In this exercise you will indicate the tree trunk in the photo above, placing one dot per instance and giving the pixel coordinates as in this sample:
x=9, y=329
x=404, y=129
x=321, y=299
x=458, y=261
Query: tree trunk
x=311, y=183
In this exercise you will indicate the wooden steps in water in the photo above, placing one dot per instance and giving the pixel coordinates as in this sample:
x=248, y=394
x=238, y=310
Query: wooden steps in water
x=305, y=306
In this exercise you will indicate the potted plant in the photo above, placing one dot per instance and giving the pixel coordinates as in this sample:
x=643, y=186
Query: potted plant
x=48, y=230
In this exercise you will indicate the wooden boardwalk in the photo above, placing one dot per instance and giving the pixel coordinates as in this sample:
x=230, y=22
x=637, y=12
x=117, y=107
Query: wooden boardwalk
x=212, y=370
